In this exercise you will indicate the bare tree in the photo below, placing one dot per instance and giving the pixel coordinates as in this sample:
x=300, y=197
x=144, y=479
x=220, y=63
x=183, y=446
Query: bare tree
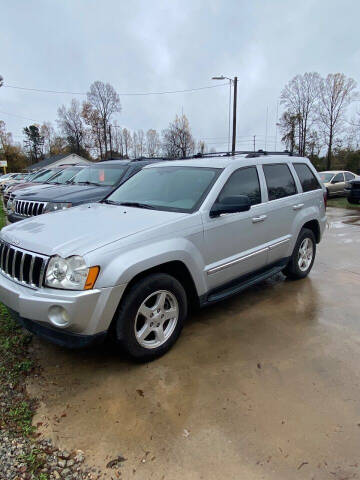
x=1, y=80
x=127, y=142
x=289, y=128
x=153, y=144
x=313, y=144
x=71, y=124
x=117, y=139
x=48, y=133
x=95, y=134
x=135, y=145
x=141, y=143
x=104, y=99
x=177, y=138
x=202, y=147
x=335, y=95
x=300, y=97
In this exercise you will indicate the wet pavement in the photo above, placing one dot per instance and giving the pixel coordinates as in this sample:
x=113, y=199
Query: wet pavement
x=263, y=386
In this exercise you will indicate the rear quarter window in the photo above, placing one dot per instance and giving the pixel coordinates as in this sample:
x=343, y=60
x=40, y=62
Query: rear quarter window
x=307, y=179
x=279, y=180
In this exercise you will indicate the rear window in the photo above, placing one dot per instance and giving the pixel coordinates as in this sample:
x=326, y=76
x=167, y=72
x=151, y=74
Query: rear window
x=279, y=180
x=307, y=178
x=349, y=176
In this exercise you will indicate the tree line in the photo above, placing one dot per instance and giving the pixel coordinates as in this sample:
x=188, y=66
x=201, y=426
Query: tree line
x=314, y=123
x=89, y=129
x=315, y=120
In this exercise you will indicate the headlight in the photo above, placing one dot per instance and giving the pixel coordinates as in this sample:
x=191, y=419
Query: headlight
x=54, y=207
x=70, y=273
x=10, y=206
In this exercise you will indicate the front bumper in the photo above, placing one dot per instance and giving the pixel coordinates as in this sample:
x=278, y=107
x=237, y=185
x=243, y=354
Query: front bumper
x=88, y=312
x=59, y=337
x=354, y=194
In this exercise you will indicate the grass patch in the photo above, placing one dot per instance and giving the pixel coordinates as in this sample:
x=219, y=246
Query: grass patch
x=16, y=411
x=341, y=202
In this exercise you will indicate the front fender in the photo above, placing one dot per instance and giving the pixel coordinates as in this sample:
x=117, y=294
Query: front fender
x=120, y=267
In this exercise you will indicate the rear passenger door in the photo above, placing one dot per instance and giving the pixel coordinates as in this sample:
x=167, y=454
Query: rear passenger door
x=284, y=202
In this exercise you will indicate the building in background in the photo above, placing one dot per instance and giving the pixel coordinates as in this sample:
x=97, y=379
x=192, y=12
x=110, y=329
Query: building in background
x=59, y=160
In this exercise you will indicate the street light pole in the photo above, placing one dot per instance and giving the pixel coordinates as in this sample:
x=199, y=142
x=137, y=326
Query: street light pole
x=234, y=117
x=234, y=82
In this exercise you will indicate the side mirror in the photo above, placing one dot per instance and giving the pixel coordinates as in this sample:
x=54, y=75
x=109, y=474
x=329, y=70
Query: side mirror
x=239, y=203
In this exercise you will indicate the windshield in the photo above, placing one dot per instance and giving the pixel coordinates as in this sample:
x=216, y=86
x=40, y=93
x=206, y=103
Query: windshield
x=64, y=176
x=103, y=176
x=326, y=177
x=179, y=189
x=44, y=175
x=20, y=176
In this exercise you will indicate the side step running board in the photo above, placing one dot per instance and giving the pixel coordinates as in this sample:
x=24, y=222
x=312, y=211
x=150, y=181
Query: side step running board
x=243, y=284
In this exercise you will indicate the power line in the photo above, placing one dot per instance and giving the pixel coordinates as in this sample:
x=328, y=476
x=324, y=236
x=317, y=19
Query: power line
x=19, y=116
x=189, y=90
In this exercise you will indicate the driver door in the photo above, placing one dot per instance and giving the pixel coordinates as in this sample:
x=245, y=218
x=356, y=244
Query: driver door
x=235, y=243
x=338, y=184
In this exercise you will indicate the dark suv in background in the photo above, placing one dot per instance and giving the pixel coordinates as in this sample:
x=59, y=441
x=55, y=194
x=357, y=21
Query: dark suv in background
x=92, y=184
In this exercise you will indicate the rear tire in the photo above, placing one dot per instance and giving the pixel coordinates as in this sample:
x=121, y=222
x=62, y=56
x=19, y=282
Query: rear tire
x=353, y=201
x=303, y=256
x=151, y=317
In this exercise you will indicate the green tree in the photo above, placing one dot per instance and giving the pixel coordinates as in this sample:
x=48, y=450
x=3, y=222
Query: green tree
x=33, y=143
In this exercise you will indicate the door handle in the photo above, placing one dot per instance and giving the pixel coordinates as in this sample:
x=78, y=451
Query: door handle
x=259, y=219
x=298, y=206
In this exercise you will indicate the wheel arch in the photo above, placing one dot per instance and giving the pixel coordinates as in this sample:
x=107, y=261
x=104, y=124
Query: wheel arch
x=175, y=268
x=314, y=226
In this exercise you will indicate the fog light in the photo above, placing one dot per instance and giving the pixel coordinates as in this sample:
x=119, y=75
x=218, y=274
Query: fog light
x=58, y=316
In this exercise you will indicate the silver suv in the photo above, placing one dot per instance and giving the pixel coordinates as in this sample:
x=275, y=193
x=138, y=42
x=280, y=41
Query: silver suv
x=179, y=233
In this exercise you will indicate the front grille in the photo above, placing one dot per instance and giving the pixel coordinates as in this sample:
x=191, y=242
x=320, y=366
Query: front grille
x=27, y=208
x=22, y=266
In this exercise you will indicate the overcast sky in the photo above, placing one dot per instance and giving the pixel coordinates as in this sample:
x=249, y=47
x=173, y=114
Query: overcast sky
x=145, y=46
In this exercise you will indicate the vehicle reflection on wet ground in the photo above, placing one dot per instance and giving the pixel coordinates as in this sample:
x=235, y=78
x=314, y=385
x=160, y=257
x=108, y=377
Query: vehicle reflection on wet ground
x=264, y=385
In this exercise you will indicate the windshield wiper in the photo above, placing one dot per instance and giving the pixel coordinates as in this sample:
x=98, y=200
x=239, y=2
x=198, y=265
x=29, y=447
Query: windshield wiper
x=110, y=202
x=137, y=205
x=88, y=183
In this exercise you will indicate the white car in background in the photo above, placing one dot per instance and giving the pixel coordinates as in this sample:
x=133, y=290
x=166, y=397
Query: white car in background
x=335, y=180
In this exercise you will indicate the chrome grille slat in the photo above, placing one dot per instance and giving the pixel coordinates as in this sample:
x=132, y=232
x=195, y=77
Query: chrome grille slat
x=22, y=268
x=32, y=267
x=2, y=257
x=27, y=208
x=31, y=271
x=7, y=260
x=13, y=264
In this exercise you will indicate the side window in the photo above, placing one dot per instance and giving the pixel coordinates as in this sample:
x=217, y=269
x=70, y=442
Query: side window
x=307, y=178
x=279, y=180
x=349, y=176
x=244, y=181
x=338, y=178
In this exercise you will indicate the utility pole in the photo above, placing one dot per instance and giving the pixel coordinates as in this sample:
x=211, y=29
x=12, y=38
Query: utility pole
x=234, y=117
x=110, y=141
x=234, y=82
x=254, y=143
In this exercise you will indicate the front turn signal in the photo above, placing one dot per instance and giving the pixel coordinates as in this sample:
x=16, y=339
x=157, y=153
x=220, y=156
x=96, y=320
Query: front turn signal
x=91, y=278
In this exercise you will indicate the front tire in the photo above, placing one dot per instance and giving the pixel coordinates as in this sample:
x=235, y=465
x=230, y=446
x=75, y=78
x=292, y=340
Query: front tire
x=151, y=317
x=303, y=256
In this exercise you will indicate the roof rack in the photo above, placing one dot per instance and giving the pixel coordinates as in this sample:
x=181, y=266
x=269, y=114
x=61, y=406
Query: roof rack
x=248, y=153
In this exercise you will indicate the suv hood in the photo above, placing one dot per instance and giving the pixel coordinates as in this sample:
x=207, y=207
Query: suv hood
x=79, y=230
x=67, y=193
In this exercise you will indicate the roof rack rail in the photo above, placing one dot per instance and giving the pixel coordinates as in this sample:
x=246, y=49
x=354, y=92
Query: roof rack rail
x=248, y=153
